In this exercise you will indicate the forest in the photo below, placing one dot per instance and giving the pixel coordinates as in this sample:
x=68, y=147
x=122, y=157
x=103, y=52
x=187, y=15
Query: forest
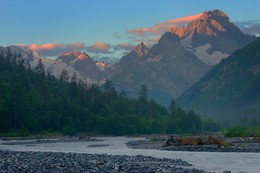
x=32, y=100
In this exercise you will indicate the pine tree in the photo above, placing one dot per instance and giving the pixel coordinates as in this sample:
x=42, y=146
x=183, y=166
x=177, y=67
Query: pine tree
x=142, y=99
x=74, y=78
x=64, y=76
x=143, y=94
x=39, y=68
x=172, y=108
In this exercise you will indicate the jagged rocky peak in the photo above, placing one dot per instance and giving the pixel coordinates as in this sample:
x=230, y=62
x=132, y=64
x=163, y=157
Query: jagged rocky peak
x=101, y=65
x=209, y=23
x=215, y=32
x=135, y=55
x=76, y=54
x=214, y=14
x=73, y=55
x=171, y=37
x=141, y=50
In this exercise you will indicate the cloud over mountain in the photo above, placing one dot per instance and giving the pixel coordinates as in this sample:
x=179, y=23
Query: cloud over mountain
x=162, y=27
x=251, y=27
x=52, y=49
x=99, y=47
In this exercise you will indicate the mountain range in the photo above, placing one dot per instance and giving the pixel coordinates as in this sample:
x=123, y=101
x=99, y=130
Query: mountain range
x=181, y=58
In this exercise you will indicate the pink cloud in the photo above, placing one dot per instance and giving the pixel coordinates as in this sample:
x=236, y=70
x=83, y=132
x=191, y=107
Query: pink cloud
x=52, y=49
x=162, y=27
x=99, y=47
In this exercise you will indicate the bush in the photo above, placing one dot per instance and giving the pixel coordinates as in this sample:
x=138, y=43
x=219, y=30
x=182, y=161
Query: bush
x=241, y=131
x=68, y=130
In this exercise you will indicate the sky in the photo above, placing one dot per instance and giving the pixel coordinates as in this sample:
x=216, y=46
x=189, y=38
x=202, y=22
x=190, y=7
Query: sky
x=108, y=28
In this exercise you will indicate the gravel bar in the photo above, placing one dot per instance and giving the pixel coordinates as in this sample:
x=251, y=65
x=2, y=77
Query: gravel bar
x=51, y=162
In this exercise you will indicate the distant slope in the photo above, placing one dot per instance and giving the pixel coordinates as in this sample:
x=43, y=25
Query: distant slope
x=231, y=89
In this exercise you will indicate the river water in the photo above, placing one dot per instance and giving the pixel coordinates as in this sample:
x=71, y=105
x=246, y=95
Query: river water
x=209, y=161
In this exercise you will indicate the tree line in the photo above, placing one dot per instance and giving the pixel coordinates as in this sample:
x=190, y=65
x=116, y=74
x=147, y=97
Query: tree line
x=33, y=100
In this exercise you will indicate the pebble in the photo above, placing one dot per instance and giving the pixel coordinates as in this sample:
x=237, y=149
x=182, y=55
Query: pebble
x=210, y=149
x=240, y=147
x=46, y=162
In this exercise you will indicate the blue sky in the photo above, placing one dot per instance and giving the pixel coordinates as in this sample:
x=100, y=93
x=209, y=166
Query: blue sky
x=104, y=24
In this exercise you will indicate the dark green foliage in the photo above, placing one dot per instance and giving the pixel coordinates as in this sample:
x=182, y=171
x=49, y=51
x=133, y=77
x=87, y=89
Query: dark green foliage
x=242, y=131
x=31, y=101
x=184, y=122
x=39, y=68
x=209, y=126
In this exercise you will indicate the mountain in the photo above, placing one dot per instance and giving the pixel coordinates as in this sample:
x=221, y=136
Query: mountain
x=167, y=69
x=134, y=56
x=75, y=61
x=230, y=90
x=83, y=65
x=32, y=57
x=180, y=58
x=212, y=37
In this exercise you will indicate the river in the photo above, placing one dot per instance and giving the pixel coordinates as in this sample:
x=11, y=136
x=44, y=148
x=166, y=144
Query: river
x=209, y=161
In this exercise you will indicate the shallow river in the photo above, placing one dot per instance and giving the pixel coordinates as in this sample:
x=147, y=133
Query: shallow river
x=209, y=161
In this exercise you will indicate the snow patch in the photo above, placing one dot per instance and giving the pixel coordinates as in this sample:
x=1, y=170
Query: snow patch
x=210, y=59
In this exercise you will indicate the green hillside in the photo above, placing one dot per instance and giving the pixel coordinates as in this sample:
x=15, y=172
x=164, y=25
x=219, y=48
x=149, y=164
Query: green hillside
x=231, y=90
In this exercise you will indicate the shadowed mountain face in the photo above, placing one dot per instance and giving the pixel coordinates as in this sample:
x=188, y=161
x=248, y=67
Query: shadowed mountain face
x=180, y=58
x=230, y=89
x=168, y=69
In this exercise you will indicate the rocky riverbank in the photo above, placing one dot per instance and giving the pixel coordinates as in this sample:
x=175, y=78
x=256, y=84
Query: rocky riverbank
x=16, y=161
x=234, y=145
